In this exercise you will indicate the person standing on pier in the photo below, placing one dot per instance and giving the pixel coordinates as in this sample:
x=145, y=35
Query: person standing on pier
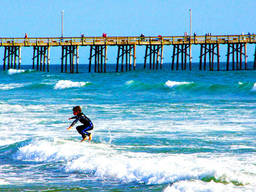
x=87, y=124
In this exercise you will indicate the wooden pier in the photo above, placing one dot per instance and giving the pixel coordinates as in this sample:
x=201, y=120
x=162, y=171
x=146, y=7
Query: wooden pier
x=209, y=59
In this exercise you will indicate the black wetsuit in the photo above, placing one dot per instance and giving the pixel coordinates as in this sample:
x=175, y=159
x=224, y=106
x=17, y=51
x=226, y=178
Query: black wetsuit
x=87, y=124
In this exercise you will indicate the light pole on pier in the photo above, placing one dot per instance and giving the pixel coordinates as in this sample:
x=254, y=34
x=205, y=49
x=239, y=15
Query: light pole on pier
x=190, y=50
x=62, y=22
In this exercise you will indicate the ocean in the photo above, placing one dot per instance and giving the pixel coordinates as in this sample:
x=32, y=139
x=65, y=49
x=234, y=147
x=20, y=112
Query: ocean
x=154, y=130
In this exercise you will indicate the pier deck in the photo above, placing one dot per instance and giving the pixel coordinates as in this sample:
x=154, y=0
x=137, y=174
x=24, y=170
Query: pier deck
x=136, y=40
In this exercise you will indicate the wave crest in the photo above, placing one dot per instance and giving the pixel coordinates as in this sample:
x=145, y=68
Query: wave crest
x=172, y=84
x=64, y=84
x=15, y=71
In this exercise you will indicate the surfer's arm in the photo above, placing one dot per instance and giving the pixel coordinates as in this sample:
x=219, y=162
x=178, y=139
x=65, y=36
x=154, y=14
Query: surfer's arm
x=74, y=122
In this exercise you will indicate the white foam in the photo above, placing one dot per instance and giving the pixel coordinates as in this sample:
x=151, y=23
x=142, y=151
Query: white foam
x=3, y=182
x=129, y=82
x=104, y=162
x=199, y=186
x=64, y=84
x=15, y=71
x=172, y=84
x=31, y=121
x=6, y=141
x=10, y=86
x=11, y=108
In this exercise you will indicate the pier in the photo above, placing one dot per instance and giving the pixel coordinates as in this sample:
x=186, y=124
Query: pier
x=209, y=59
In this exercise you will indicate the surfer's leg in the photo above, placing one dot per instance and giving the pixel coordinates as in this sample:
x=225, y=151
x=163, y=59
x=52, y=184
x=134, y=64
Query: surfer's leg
x=80, y=130
x=85, y=131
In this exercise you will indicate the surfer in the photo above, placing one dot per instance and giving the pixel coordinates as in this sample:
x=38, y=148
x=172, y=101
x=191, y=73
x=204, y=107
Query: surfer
x=87, y=124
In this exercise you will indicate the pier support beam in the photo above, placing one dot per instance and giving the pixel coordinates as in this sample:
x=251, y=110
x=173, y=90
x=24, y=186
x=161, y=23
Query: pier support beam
x=155, y=54
x=41, y=58
x=127, y=55
x=254, y=65
x=181, y=52
x=211, y=51
x=237, y=51
x=98, y=54
x=70, y=54
x=12, y=57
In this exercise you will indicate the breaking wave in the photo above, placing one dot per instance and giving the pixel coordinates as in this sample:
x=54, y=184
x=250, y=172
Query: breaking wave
x=64, y=84
x=194, y=87
x=172, y=84
x=18, y=71
x=197, y=87
x=15, y=71
x=105, y=162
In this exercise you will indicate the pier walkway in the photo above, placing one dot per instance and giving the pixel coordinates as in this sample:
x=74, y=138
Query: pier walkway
x=209, y=59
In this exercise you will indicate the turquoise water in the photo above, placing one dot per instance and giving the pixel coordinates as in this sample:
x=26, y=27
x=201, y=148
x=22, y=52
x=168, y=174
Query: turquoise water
x=154, y=131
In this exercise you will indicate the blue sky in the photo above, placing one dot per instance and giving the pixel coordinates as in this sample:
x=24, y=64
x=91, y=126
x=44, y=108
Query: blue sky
x=123, y=18
x=130, y=17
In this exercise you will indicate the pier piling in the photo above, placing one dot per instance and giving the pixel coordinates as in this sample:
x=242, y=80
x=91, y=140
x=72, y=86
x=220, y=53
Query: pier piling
x=181, y=52
x=70, y=54
x=155, y=54
x=254, y=66
x=237, y=51
x=41, y=58
x=210, y=50
x=126, y=53
x=98, y=53
x=12, y=57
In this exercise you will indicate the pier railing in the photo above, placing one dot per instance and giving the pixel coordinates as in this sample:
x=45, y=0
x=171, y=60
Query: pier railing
x=136, y=40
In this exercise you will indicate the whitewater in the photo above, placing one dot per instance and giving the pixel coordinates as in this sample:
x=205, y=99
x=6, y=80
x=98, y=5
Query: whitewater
x=170, y=131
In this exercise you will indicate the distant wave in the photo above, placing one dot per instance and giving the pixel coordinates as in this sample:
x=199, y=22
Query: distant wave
x=15, y=71
x=64, y=84
x=247, y=86
x=38, y=86
x=159, y=85
x=130, y=82
x=196, y=87
x=172, y=84
x=236, y=88
x=141, y=85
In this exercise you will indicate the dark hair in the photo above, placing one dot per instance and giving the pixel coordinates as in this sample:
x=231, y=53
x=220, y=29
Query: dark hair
x=77, y=109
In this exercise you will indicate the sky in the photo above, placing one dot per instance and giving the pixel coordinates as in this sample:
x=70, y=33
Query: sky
x=42, y=18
